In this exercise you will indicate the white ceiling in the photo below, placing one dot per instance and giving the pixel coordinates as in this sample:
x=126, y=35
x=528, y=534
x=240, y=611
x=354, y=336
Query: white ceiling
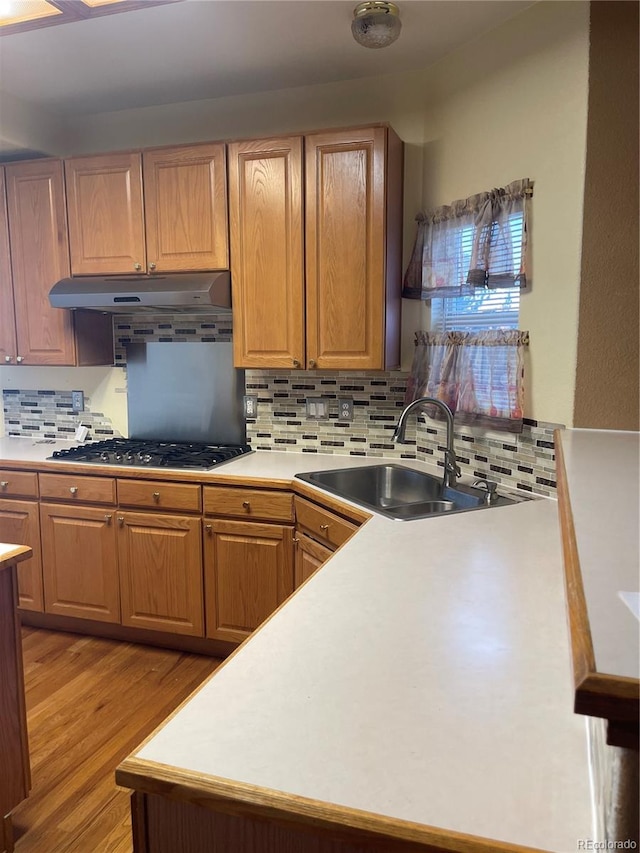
x=211, y=48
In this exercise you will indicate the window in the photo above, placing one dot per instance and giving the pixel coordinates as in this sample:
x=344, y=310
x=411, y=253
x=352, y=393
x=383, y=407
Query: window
x=497, y=308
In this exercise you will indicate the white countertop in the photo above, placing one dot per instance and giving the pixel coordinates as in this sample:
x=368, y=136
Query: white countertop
x=10, y=554
x=423, y=673
x=604, y=485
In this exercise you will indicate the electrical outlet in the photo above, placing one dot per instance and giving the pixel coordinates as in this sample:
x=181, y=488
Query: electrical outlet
x=250, y=402
x=77, y=401
x=345, y=410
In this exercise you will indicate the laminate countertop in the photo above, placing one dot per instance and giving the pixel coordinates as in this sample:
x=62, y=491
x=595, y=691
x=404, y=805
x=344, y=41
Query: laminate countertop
x=10, y=554
x=423, y=675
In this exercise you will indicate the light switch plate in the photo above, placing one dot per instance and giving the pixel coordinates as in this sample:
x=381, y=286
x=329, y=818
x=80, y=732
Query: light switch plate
x=318, y=408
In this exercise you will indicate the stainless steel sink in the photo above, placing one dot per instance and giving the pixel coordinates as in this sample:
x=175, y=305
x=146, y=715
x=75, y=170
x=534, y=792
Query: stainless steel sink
x=399, y=492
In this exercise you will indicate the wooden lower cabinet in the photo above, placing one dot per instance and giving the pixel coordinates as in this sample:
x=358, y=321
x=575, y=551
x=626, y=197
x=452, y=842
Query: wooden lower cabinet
x=248, y=571
x=309, y=556
x=19, y=523
x=160, y=561
x=15, y=779
x=79, y=558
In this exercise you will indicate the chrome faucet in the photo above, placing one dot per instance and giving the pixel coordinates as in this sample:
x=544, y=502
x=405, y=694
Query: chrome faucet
x=451, y=469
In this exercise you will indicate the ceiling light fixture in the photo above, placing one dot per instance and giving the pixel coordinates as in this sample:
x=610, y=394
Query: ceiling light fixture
x=376, y=23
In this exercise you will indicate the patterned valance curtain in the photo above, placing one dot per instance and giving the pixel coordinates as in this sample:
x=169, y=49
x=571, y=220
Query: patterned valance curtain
x=479, y=375
x=480, y=241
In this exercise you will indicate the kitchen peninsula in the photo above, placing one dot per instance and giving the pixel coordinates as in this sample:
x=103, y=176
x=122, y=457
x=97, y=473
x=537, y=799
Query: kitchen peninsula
x=14, y=750
x=415, y=694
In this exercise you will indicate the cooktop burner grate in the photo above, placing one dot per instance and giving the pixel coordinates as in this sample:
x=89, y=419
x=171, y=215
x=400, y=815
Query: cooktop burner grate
x=154, y=454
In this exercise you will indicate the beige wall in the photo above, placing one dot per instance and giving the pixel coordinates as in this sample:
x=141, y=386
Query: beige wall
x=607, y=377
x=512, y=104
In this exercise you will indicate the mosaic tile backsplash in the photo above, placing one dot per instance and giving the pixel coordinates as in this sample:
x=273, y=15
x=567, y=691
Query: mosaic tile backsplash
x=140, y=328
x=524, y=462
x=49, y=414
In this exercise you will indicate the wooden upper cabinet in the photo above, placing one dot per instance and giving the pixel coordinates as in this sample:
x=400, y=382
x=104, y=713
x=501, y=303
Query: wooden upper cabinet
x=39, y=258
x=353, y=248
x=8, y=347
x=267, y=244
x=106, y=219
x=185, y=191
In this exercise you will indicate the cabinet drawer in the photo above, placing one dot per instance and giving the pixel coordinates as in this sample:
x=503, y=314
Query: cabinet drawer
x=78, y=488
x=248, y=503
x=149, y=494
x=18, y=484
x=322, y=524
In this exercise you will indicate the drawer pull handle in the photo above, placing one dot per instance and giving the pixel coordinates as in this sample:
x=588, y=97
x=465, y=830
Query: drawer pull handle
x=73, y=490
x=107, y=518
x=246, y=504
x=156, y=496
x=4, y=484
x=121, y=520
x=208, y=528
x=324, y=527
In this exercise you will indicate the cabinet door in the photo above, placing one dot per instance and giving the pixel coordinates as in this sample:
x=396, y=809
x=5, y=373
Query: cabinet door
x=248, y=573
x=345, y=249
x=267, y=267
x=309, y=556
x=106, y=219
x=20, y=523
x=79, y=563
x=160, y=559
x=8, y=348
x=39, y=258
x=185, y=200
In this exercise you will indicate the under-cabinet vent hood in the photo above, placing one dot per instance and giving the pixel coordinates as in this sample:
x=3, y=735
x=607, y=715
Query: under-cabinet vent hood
x=186, y=292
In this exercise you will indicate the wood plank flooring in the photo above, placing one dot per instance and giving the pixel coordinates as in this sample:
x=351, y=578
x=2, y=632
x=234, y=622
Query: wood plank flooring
x=90, y=702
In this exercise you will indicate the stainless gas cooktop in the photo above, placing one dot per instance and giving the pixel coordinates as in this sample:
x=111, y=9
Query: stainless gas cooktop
x=152, y=454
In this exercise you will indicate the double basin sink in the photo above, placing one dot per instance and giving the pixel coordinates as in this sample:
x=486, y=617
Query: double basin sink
x=401, y=493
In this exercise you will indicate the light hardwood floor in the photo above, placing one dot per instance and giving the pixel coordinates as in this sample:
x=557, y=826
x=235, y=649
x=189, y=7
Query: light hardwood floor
x=90, y=702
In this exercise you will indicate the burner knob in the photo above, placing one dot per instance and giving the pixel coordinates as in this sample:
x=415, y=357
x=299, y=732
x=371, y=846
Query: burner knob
x=146, y=458
x=130, y=458
x=118, y=457
x=104, y=457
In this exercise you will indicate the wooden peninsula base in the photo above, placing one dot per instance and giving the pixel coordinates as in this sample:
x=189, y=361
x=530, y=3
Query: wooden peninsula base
x=15, y=779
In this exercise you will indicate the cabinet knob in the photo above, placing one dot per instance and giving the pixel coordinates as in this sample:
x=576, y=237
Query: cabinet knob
x=19, y=359
x=152, y=267
x=4, y=484
x=8, y=359
x=295, y=540
x=246, y=504
x=107, y=518
x=312, y=363
x=208, y=528
x=137, y=267
x=324, y=527
x=121, y=520
x=156, y=496
x=73, y=490
x=296, y=363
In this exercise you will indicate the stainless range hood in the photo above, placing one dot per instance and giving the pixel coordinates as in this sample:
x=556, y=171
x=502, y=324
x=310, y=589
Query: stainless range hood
x=187, y=292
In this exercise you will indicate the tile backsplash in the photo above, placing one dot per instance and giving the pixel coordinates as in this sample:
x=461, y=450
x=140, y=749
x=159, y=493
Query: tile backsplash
x=49, y=414
x=524, y=462
x=143, y=328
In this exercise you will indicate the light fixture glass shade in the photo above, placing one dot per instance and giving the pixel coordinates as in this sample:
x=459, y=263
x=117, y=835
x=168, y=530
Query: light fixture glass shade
x=376, y=23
